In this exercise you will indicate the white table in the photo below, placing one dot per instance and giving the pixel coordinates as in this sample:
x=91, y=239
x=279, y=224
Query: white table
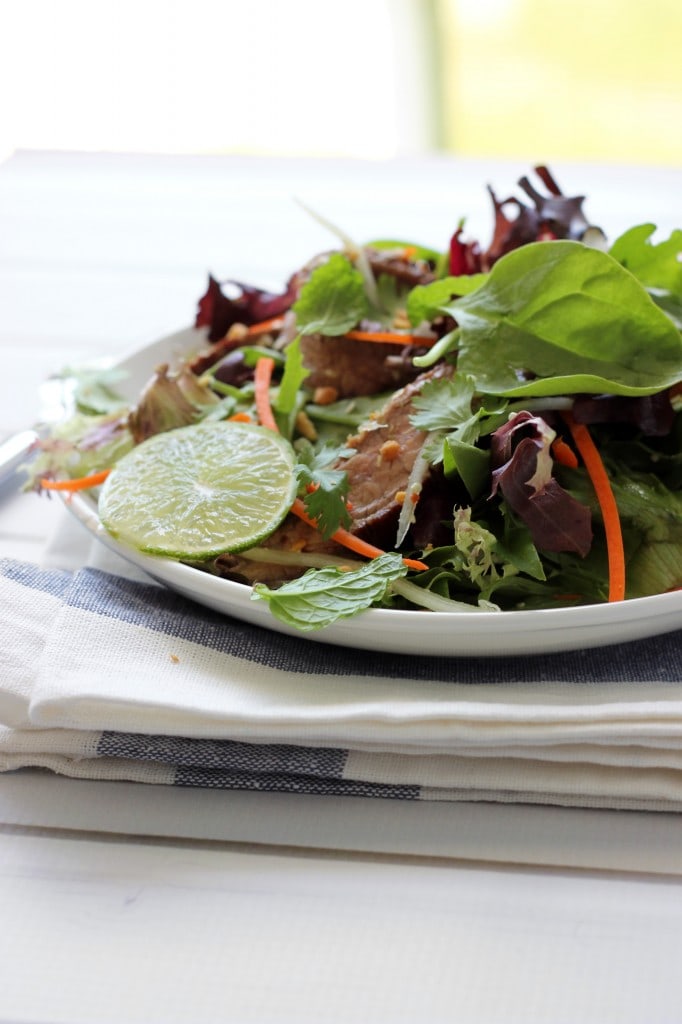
x=123, y=903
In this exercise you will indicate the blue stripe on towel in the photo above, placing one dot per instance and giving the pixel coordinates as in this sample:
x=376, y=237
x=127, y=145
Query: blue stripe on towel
x=49, y=581
x=658, y=659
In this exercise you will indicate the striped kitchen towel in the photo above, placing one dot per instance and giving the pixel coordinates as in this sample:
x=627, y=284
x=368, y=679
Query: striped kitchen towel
x=105, y=677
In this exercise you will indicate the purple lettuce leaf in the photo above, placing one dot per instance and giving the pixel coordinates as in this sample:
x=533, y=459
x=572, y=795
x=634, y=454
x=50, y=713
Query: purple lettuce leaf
x=522, y=472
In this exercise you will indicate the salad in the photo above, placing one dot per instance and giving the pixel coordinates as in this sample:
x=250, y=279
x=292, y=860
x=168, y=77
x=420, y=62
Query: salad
x=480, y=428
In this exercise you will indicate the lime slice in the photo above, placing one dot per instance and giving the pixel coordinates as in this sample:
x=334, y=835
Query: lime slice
x=195, y=492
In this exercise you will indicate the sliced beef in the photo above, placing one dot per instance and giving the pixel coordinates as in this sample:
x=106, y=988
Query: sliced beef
x=355, y=367
x=379, y=470
x=393, y=262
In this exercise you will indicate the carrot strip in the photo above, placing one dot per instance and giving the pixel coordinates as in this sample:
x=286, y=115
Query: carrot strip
x=80, y=483
x=349, y=540
x=263, y=374
x=261, y=383
x=597, y=473
x=240, y=417
x=275, y=323
x=563, y=454
x=388, y=338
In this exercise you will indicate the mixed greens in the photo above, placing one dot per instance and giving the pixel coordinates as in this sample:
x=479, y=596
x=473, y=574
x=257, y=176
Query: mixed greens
x=497, y=429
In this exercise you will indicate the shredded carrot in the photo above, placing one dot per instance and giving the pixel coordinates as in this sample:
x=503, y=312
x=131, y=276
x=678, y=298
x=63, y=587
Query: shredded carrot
x=609, y=509
x=275, y=323
x=80, y=483
x=388, y=338
x=240, y=417
x=349, y=540
x=264, y=368
x=563, y=454
x=261, y=382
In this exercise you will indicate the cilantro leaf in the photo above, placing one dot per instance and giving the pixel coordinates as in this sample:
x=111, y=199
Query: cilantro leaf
x=322, y=596
x=323, y=488
x=443, y=404
x=333, y=300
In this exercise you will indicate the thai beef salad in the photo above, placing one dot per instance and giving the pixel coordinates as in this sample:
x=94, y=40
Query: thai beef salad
x=482, y=428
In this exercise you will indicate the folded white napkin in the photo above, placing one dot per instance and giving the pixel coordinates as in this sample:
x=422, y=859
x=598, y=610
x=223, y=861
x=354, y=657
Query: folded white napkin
x=107, y=676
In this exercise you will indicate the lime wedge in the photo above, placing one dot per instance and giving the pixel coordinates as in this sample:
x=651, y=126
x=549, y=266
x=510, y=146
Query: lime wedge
x=198, y=491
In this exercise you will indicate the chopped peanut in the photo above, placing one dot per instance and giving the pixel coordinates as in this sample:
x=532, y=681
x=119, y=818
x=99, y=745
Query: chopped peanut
x=325, y=395
x=238, y=332
x=389, y=451
x=399, y=497
x=305, y=426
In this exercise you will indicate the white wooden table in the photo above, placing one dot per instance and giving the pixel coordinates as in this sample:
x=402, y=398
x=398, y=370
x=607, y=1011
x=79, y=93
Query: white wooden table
x=124, y=905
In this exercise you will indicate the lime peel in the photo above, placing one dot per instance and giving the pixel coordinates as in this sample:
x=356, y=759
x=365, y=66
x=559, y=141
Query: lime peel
x=199, y=491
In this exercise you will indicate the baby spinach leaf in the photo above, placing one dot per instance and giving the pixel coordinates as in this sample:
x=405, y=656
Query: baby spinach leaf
x=656, y=265
x=559, y=318
x=425, y=301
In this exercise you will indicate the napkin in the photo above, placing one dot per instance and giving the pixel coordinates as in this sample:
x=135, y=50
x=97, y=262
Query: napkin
x=103, y=676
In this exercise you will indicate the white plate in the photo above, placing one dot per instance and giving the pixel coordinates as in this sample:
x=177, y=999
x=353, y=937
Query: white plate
x=398, y=632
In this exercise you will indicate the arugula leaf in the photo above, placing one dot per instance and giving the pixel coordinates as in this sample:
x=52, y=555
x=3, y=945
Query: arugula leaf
x=333, y=299
x=426, y=301
x=322, y=596
x=569, y=317
x=322, y=488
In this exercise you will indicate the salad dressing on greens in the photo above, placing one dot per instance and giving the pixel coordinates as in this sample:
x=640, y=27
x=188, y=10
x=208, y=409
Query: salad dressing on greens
x=475, y=429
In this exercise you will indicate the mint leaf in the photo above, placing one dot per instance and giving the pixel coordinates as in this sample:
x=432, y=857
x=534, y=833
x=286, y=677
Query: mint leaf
x=571, y=319
x=333, y=300
x=323, y=596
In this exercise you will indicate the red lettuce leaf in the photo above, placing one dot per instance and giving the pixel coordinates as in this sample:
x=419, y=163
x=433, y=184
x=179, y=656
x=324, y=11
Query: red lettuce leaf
x=218, y=311
x=522, y=471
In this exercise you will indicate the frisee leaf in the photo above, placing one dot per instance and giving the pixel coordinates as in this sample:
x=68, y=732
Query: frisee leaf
x=333, y=300
x=323, y=596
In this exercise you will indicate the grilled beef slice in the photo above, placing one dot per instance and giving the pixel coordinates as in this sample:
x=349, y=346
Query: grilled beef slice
x=379, y=470
x=354, y=367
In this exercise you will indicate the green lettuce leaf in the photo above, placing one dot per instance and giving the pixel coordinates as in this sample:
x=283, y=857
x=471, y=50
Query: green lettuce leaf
x=569, y=319
x=656, y=265
x=426, y=301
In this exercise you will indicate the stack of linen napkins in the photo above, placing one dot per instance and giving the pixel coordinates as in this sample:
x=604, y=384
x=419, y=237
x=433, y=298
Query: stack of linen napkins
x=106, y=675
